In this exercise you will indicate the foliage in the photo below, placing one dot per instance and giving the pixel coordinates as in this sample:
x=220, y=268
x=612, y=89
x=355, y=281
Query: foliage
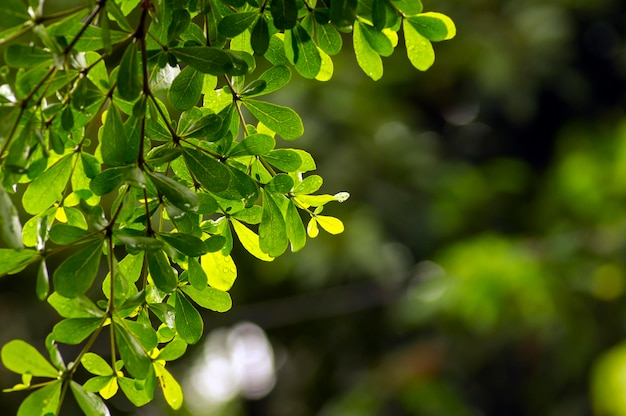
x=175, y=168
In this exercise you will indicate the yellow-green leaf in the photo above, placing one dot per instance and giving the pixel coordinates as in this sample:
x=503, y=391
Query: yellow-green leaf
x=249, y=240
x=48, y=187
x=330, y=224
x=220, y=270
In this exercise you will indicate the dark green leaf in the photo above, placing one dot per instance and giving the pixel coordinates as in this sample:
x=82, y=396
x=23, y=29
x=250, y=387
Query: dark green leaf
x=284, y=13
x=189, y=323
x=48, y=187
x=302, y=52
x=109, y=180
x=343, y=12
x=377, y=40
x=63, y=234
x=233, y=24
x=163, y=154
x=283, y=120
x=10, y=225
x=408, y=7
x=177, y=194
x=180, y=21
x=139, y=242
x=215, y=243
x=162, y=273
x=211, y=174
x=255, y=144
x=256, y=87
x=272, y=230
x=187, y=244
x=128, y=82
x=76, y=274
x=281, y=184
x=186, y=89
x=113, y=138
x=135, y=359
x=207, y=204
x=210, y=60
x=286, y=160
x=25, y=56
x=260, y=37
x=209, y=298
x=22, y=358
x=76, y=330
x=197, y=276
x=433, y=26
x=90, y=404
x=13, y=12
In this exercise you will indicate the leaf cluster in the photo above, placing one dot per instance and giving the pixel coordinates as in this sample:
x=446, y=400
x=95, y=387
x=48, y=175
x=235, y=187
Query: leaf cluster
x=142, y=102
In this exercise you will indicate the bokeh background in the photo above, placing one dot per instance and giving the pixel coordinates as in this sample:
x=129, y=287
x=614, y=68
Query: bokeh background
x=482, y=270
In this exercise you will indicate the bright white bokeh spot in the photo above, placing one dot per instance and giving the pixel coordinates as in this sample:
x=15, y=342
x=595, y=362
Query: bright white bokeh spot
x=235, y=362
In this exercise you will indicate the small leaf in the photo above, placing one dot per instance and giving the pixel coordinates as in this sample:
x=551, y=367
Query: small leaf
x=96, y=364
x=128, y=83
x=48, y=187
x=171, y=389
x=179, y=195
x=367, y=58
x=329, y=39
x=113, y=138
x=377, y=40
x=173, y=350
x=408, y=7
x=209, y=298
x=309, y=185
x=76, y=274
x=302, y=52
x=64, y=234
x=330, y=224
x=311, y=229
x=10, y=225
x=42, y=287
x=283, y=120
x=418, y=48
x=186, y=89
x=249, y=240
x=135, y=392
x=210, y=60
x=272, y=230
x=76, y=330
x=189, y=324
x=284, y=13
x=295, y=228
x=280, y=184
x=220, y=270
x=233, y=24
x=164, y=276
x=109, y=180
x=286, y=160
x=197, y=276
x=42, y=402
x=433, y=26
x=211, y=174
x=22, y=358
x=260, y=37
x=187, y=244
x=343, y=12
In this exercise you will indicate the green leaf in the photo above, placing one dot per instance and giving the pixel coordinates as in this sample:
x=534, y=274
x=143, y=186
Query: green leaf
x=186, y=89
x=140, y=242
x=109, y=180
x=433, y=26
x=275, y=78
x=13, y=261
x=308, y=185
x=10, y=225
x=128, y=82
x=187, y=244
x=233, y=24
x=90, y=404
x=179, y=195
x=76, y=330
x=113, y=138
x=135, y=392
x=408, y=7
x=22, y=358
x=284, y=13
x=377, y=40
x=302, y=52
x=180, y=22
x=295, y=227
x=164, y=276
x=25, y=56
x=283, y=120
x=210, y=173
x=76, y=274
x=249, y=240
x=209, y=298
x=173, y=350
x=13, y=12
x=210, y=60
x=260, y=37
x=42, y=402
x=64, y=234
x=96, y=364
x=135, y=359
x=329, y=39
x=418, y=48
x=220, y=270
x=48, y=187
x=189, y=324
x=142, y=332
x=280, y=184
x=171, y=389
x=255, y=144
x=343, y=12
x=197, y=277
x=286, y=160
x=332, y=225
x=78, y=307
x=42, y=285
x=272, y=230
x=367, y=58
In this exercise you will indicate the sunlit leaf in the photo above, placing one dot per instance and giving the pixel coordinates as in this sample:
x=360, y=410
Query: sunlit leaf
x=249, y=240
x=21, y=358
x=220, y=270
x=76, y=330
x=42, y=402
x=209, y=298
x=283, y=120
x=48, y=187
x=186, y=89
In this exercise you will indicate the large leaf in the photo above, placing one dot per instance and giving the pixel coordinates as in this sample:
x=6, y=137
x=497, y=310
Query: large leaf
x=48, y=187
x=164, y=276
x=284, y=13
x=22, y=358
x=171, y=389
x=113, y=139
x=128, y=82
x=76, y=330
x=186, y=89
x=90, y=404
x=135, y=359
x=42, y=402
x=220, y=270
x=272, y=230
x=367, y=58
x=189, y=323
x=178, y=194
x=433, y=26
x=302, y=52
x=418, y=48
x=233, y=24
x=209, y=298
x=283, y=120
x=210, y=173
x=13, y=261
x=76, y=274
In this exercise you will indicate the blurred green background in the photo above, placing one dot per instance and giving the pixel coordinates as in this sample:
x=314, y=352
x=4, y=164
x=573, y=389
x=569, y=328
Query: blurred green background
x=482, y=270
